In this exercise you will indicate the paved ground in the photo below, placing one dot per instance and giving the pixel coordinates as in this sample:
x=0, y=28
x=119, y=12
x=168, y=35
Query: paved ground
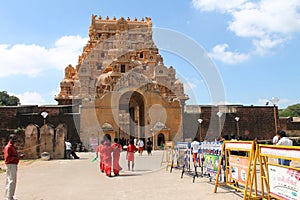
x=81, y=179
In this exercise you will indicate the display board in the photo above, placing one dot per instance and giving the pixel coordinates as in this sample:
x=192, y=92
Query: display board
x=210, y=151
x=238, y=168
x=180, y=152
x=168, y=154
x=239, y=158
x=284, y=183
x=279, y=181
x=210, y=164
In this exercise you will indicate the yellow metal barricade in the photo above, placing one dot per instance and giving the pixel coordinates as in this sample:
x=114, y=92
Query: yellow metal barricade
x=168, y=153
x=239, y=161
x=279, y=181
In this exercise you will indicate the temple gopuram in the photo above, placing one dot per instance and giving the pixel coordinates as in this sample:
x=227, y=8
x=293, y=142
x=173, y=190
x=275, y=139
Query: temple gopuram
x=122, y=86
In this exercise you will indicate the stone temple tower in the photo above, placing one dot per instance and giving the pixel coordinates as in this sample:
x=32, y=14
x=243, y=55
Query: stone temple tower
x=122, y=85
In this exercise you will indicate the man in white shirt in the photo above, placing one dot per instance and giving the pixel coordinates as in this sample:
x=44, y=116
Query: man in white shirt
x=275, y=139
x=141, y=146
x=135, y=142
x=195, y=146
x=68, y=149
x=283, y=140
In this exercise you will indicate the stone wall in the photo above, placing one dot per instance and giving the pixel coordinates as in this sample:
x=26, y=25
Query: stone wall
x=20, y=117
x=291, y=127
x=254, y=121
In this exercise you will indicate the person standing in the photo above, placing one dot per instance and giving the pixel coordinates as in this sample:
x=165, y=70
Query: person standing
x=149, y=146
x=275, y=139
x=98, y=151
x=68, y=149
x=284, y=141
x=106, y=152
x=195, y=146
x=134, y=141
x=141, y=146
x=117, y=149
x=11, y=159
x=131, y=149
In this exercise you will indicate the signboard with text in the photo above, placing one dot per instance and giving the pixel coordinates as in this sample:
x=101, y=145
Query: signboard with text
x=238, y=168
x=284, y=182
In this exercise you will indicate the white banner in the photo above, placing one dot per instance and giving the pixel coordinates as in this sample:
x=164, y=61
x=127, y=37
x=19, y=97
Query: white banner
x=211, y=145
x=291, y=153
x=238, y=145
x=284, y=182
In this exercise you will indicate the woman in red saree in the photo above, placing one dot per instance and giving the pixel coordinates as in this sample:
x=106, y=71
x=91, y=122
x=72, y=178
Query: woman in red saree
x=117, y=149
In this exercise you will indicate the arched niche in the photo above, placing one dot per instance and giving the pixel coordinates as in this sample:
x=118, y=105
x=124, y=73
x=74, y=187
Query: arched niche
x=31, y=147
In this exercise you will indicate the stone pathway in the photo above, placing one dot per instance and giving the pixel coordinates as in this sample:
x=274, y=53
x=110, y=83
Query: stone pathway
x=81, y=179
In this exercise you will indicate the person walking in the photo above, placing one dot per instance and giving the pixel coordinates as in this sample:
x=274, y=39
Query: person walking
x=284, y=141
x=11, y=159
x=68, y=149
x=117, y=149
x=98, y=151
x=141, y=146
x=195, y=146
x=149, y=146
x=106, y=152
x=131, y=149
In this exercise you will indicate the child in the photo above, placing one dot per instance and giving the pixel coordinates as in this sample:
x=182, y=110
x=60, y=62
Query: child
x=106, y=153
x=117, y=149
x=98, y=150
x=131, y=149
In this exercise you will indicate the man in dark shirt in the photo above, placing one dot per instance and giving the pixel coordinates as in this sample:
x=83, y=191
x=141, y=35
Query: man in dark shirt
x=11, y=159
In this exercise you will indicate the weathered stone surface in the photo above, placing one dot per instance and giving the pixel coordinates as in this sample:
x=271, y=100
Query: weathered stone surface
x=32, y=135
x=60, y=134
x=47, y=139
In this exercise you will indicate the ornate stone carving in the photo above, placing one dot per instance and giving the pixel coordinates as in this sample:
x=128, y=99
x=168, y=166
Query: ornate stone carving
x=120, y=53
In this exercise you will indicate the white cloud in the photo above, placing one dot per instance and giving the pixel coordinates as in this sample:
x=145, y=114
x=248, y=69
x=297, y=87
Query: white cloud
x=189, y=86
x=32, y=60
x=31, y=98
x=268, y=23
x=219, y=52
x=192, y=84
x=263, y=45
x=220, y=5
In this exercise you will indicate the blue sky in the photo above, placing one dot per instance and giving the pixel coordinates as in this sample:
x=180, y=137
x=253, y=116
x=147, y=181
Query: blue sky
x=253, y=44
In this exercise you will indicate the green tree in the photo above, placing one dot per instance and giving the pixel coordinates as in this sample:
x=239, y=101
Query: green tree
x=8, y=100
x=290, y=111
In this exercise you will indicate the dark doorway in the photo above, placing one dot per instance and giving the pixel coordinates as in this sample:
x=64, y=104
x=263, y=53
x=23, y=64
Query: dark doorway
x=160, y=140
x=132, y=115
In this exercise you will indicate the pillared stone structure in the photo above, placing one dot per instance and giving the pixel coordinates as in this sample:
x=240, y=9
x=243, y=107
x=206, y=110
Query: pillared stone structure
x=122, y=85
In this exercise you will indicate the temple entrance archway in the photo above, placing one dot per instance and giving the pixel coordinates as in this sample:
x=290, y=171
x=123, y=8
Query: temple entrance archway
x=132, y=115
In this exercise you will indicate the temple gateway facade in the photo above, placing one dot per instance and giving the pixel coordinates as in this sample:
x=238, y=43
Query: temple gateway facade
x=122, y=86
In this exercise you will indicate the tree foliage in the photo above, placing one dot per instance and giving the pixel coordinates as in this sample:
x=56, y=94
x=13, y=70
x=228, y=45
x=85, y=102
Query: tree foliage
x=290, y=111
x=8, y=100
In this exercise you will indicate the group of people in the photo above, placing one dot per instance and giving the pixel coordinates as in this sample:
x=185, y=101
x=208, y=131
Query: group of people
x=141, y=145
x=109, y=154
